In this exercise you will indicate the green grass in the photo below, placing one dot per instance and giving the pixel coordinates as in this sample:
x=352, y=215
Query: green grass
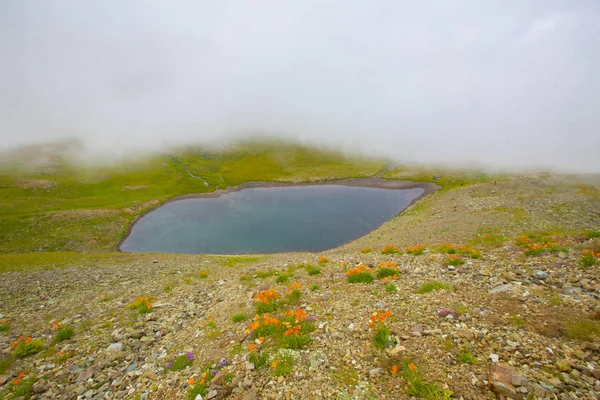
x=390, y=288
x=583, y=330
x=517, y=321
x=65, y=332
x=448, y=179
x=433, y=285
x=466, y=357
x=258, y=359
x=285, y=364
x=588, y=260
x=314, y=287
x=23, y=349
x=232, y=261
x=195, y=390
x=385, y=272
x=312, y=270
x=455, y=261
x=592, y=234
x=295, y=342
x=24, y=388
x=283, y=278
x=381, y=337
x=181, y=363
x=292, y=298
x=239, y=317
x=262, y=308
x=4, y=327
x=419, y=388
x=363, y=277
x=88, y=208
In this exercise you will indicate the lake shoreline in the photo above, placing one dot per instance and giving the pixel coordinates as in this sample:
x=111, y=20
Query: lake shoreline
x=373, y=182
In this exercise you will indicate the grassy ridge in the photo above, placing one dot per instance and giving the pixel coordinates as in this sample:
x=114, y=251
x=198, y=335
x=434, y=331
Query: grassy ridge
x=69, y=208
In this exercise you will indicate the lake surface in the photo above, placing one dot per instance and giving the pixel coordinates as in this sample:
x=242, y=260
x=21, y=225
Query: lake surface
x=267, y=220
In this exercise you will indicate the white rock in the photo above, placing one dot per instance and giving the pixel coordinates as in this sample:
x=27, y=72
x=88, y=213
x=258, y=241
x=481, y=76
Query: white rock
x=494, y=357
x=351, y=326
x=198, y=397
x=116, y=347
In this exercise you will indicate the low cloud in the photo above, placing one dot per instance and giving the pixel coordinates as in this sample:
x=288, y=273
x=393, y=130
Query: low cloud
x=511, y=84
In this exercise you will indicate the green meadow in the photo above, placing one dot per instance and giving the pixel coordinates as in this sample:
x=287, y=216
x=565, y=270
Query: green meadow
x=63, y=207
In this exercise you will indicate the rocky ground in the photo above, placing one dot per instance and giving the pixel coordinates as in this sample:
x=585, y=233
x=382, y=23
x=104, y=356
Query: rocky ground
x=517, y=321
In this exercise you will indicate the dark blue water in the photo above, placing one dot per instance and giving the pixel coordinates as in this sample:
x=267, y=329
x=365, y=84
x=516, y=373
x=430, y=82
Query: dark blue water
x=267, y=220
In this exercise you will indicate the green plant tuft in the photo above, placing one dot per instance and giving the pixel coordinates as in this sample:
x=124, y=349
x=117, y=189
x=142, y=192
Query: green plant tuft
x=24, y=349
x=64, y=332
x=239, y=317
x=363, y=277
x=433, y=285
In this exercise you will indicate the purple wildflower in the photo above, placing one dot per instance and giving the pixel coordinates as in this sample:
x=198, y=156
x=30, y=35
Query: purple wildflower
x=169, y=364
x=190, y=355
x=311, y=318
x=214, y=372
x=223, y=363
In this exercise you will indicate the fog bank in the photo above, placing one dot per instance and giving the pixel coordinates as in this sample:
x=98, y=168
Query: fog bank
x=510, y=84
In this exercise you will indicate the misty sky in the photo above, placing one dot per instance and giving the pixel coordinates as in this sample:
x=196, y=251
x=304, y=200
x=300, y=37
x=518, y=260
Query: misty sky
x=501, y=83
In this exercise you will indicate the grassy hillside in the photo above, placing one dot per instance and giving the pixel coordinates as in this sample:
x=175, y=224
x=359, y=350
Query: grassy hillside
x=57, y=206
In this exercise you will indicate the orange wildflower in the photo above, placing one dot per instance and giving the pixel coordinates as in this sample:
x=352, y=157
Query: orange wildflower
x=265, y=296
x=191, y=381
x=19, y=377
x=274, y=364
x=412, y=366
x=354, y=271
x=261, y=339
x=251, y=346
x=56, y=325
x=394, y=370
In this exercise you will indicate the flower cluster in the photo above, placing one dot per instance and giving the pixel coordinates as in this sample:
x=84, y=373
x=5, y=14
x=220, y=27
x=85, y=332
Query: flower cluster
x=589, y=253
x=323, y=260
x=379, y=316
x=292, y=331
x=366, y=250
x=262, y=326
x=26, y=340
x=389, y=250
x=299, y=315
x=292, y=287
x=415, y=250
x=265, y=296
x=448, y=248
x=358, y=270
x=388, y=264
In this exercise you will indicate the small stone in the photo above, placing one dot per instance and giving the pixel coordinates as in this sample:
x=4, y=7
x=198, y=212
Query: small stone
x=351, y=326
x=115, y=347
x=494, y=357
x=374, y=372
x=570, y=290
x=396, y=350
x=4, y=379
x=198, y=397
x=211, y=394
x=589, y=379
x=417, y=330
x=563, y=365
x=575, y=374
x=451, y=268
x=542, y=275
x=500, y=289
